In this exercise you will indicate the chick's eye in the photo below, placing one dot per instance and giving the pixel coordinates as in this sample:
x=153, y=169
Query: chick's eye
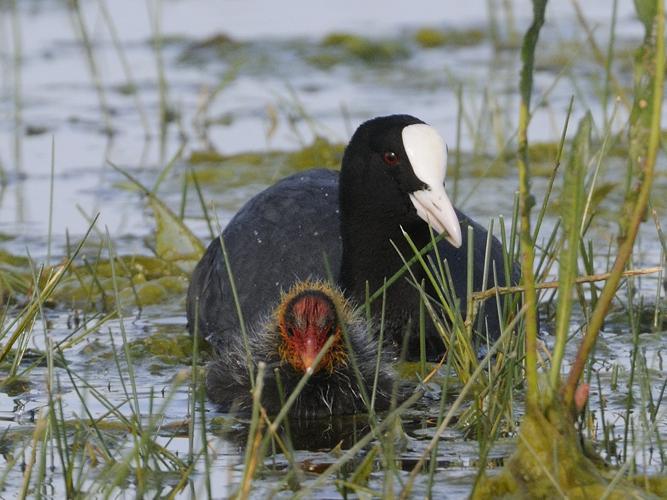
x=390, y=158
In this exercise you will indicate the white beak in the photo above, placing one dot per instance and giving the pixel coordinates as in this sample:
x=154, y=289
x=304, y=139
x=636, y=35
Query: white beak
x=428, y=157
x=435, y=208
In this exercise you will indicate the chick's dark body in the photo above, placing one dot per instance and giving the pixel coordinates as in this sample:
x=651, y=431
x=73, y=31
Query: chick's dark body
x=333, y=391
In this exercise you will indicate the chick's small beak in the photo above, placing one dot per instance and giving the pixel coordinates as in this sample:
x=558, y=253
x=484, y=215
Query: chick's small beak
x=309, y=352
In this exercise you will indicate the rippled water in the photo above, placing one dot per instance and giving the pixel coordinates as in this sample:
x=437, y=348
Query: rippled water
x=49, y=104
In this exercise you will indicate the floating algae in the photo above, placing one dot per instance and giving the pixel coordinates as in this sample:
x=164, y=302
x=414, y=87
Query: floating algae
x=14, y=385
x=140, y=280
x=169, y=349
x=219, y=46
x=430, y=38
x=225, y=172
x=339, y=48
x=319, y=153
x=549, y=462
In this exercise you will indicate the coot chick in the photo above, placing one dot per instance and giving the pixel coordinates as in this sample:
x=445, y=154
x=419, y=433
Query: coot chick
x=391, y=179
x=288, y=342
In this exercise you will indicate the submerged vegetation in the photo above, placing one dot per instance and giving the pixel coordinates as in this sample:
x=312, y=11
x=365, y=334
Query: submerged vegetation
x=109, y=388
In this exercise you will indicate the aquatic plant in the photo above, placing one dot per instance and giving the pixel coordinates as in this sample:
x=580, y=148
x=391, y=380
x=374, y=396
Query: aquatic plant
x=549, y=459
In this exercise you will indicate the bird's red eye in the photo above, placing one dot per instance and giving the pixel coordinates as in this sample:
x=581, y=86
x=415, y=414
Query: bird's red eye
x=390, y=158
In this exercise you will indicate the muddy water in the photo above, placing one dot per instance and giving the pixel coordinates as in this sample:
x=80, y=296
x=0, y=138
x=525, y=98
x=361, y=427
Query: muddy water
x=282, y=86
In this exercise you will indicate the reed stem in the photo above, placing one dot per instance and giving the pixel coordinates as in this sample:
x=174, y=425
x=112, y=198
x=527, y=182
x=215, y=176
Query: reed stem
x=636, y=207
x=526, y=200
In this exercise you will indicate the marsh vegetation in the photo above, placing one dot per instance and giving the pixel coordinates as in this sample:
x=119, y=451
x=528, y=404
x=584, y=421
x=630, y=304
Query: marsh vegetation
x=131, y=134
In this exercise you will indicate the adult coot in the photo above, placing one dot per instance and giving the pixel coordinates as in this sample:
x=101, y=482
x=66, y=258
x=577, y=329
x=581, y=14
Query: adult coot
x=391, y=179
x=289, y=341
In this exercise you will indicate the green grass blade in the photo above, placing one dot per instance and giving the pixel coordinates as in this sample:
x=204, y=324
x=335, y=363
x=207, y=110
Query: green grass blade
x=572, y=205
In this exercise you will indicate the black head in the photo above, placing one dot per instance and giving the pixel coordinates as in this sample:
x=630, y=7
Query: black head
x=393, y=172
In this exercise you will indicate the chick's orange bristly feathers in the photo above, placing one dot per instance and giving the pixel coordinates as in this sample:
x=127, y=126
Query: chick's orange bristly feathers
x=307, y=318
x=310, y=316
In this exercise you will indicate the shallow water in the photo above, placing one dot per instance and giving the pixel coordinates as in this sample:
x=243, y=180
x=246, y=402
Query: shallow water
x=48, y=103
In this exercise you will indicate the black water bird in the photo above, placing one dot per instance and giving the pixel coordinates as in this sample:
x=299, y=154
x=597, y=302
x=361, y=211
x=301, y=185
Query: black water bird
x=391, y=180
x=289, y=341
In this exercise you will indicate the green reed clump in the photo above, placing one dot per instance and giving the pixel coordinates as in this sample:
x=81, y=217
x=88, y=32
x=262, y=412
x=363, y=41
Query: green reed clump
x=21, y=326
x=549, y=459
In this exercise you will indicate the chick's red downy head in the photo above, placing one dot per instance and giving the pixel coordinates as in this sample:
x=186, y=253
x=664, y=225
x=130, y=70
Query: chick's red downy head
x=305, y=322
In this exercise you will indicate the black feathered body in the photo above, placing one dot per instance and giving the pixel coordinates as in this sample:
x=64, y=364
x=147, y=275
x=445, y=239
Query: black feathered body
x=325, y=394
x=281, y=236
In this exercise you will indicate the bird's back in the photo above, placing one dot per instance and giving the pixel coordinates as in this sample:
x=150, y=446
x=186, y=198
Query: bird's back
x=280, y=236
